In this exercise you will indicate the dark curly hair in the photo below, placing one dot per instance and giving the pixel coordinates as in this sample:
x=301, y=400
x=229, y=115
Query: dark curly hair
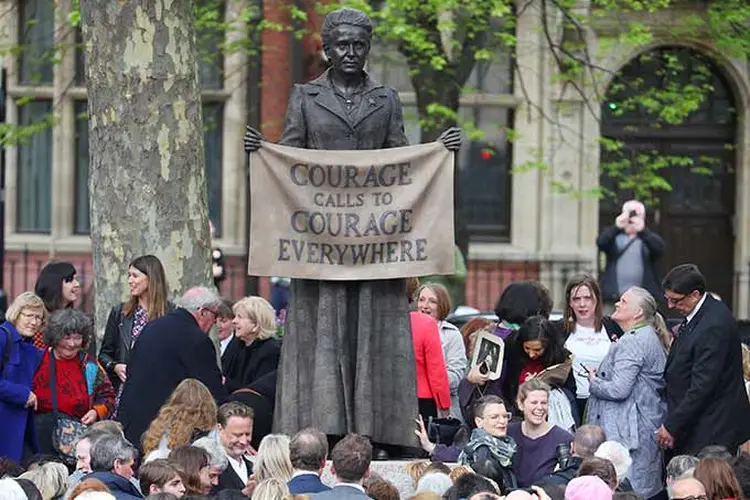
x=521, y=300
x=66, y=322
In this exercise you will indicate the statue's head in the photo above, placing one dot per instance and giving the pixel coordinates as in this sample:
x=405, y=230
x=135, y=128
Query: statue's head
x=346, y=38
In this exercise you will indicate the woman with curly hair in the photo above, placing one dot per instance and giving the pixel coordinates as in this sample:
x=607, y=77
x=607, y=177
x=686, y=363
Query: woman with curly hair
x=188, y=414
x=68, y=381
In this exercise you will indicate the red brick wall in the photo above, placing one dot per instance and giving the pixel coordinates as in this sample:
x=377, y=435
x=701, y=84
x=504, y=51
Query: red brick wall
x=21, y=270
x=487, y=279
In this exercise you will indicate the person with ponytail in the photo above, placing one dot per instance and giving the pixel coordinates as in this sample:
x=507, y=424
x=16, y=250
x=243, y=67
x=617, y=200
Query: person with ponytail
x=626, y=391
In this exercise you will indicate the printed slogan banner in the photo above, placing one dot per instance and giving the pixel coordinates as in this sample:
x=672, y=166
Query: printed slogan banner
x=351, y=215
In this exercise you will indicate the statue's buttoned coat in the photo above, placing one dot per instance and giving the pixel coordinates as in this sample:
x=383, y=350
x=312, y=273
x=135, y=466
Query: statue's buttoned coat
x=347, y=361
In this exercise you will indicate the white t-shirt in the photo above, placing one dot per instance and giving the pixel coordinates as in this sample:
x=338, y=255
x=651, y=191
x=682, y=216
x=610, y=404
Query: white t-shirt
x=589, y=349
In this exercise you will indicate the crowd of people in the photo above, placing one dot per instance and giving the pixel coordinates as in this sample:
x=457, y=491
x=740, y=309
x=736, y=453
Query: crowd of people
x=588, y=407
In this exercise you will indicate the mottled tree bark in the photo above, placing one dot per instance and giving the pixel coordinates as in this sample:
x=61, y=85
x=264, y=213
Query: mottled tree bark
x=146, y=174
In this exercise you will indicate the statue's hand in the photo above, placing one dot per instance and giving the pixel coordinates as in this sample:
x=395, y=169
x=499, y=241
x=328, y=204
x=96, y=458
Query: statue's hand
x=252, y=140
x=451, y=138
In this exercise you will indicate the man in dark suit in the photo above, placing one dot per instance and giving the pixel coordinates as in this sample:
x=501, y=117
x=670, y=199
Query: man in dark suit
x=235, y=425
x=169, y=350
x=308, y=451
x=351, y=465
x=706, y=399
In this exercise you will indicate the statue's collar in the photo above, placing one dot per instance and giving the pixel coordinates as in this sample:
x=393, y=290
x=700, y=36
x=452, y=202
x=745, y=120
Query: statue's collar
x=324, y=80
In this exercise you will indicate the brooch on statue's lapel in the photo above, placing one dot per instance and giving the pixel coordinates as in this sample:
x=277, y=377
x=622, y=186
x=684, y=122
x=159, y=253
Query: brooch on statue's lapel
x=371, y=101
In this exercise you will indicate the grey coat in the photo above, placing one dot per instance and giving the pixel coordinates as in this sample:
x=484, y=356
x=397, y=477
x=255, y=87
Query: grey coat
x=454, y=353
x=347, y=360
x=626, y=402
x=340, y=492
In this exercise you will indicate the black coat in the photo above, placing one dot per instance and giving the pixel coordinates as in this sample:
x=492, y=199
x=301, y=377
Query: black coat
x=229, y=360
x=229, y=480
x=169, y=350
x=118, y=336
x=653, y=249
x=706, y=399
x=252, y=362
x=260, y=396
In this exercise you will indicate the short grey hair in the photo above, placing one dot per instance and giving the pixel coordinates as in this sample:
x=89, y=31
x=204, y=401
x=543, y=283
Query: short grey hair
x=199, y=297
x=308, y=449
x=619, y=455
x=681, y=467
x=51, y=479
x=336, y=18
x=435, y=482
x=588, y=439
x=64, y=322
x=108, y=449
x=218, y=457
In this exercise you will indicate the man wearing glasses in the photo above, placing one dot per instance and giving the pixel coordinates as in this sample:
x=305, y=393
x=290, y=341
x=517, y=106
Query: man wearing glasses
x=169, y=350
x=706, y=399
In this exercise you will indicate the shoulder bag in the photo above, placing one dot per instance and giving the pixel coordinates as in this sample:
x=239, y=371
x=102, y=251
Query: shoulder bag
x=66, y=430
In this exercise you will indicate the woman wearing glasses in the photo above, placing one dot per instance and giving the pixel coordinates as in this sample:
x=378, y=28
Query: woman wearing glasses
x=625, y=392
x=18, y=362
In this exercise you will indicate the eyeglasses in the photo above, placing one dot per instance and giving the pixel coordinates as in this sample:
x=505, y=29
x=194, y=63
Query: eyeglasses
x=212, y=313
x=675, y=300
x=693, y=497
x=33, y=317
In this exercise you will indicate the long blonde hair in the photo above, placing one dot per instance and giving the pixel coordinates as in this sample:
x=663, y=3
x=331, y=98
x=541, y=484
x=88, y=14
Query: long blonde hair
x=648, y=305
x=191, y=407
x=273, y=460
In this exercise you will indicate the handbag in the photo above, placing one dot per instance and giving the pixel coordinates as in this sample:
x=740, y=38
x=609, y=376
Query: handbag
x=443, y=430
x=66, y=430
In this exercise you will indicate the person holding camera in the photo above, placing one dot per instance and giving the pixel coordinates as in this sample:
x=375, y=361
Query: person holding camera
x=632, y=251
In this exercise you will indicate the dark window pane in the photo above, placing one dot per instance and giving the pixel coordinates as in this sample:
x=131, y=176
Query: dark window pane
x=485, y=178
x=82, y=169
x=35, y=169
x=209, y=33
x=213, y=116
x=36, y=37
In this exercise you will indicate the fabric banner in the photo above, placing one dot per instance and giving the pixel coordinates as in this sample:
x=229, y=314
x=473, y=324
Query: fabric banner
x=351, y=215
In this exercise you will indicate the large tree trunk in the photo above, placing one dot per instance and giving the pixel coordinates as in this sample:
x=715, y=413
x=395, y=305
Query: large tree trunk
x=146, y=175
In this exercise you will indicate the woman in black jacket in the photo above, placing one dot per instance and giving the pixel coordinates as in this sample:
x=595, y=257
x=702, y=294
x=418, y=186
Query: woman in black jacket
x=255, y=326
x=148, y=300
x=490, y=450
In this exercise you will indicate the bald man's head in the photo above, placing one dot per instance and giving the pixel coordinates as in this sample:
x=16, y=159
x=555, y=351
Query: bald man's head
x=688, y=487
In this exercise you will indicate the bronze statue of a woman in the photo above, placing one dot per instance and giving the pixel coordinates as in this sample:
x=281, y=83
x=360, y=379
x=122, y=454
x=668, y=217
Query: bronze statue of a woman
x=347, y=361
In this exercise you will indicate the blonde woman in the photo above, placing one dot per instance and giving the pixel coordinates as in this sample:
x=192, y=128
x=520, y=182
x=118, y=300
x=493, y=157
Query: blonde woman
x=188, y=414
x=19, y=360
x=273, y=460
x=255, y=326
x=270, y=489
x=51, y=479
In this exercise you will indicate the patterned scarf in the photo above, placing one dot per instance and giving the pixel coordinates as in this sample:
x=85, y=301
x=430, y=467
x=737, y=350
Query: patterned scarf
x=502, y=449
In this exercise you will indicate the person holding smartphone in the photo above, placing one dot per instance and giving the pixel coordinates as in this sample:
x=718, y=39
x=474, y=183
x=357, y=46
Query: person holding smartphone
x=632, y=252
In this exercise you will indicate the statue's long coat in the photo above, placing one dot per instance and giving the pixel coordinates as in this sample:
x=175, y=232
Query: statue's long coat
x=347, y=361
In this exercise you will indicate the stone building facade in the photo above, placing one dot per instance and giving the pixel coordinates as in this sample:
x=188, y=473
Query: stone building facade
x=521, y=226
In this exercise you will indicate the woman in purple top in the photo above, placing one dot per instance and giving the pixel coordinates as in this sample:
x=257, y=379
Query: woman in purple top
x=537, y=439
x=518, y=302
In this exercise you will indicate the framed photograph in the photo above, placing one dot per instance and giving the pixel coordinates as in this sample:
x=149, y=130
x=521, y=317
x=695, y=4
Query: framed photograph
x=489, y=351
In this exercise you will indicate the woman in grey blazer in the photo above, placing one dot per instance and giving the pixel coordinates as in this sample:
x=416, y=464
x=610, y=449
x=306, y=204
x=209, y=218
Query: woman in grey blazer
x=625, y=393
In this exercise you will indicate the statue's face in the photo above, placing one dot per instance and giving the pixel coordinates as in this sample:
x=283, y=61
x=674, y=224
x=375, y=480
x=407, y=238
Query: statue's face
x=348, y=49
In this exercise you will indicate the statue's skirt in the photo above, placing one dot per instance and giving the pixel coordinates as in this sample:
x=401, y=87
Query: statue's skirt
x=347, y=361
